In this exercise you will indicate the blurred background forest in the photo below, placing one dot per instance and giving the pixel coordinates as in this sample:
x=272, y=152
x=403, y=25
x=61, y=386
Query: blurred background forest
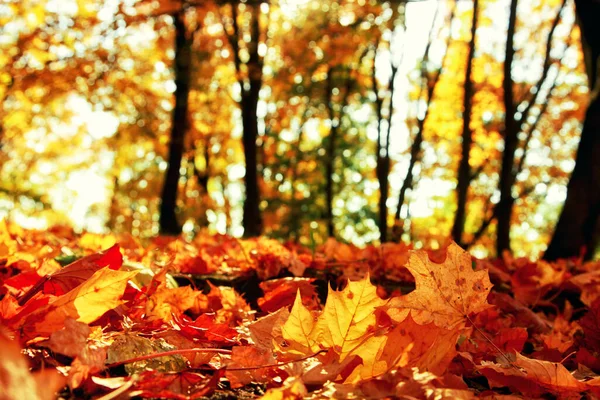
x=363, y=120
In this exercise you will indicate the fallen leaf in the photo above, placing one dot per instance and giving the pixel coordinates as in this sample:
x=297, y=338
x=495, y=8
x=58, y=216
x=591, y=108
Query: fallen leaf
x=292, y=389
x=128, y=347
x=533, y=377
x=446, y=294
x=346, y=318
x=282, y=292
x=297, y=331
x=70, y=340
x=251, y=359
x=86, y=303
x=76, y=273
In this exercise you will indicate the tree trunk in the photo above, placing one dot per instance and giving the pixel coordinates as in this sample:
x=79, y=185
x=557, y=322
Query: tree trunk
x=502, y=211
x=168, y=218
x=577, y=227
x=464, y=169
x=511, y=141
x=426, y=84
x=249, y=108
x=382, y=168
x=330, y=160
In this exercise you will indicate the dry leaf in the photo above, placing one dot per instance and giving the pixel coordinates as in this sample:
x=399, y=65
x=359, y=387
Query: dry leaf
x=533, y=377
x=346, y=318
x=446, y=294
x=86, y=303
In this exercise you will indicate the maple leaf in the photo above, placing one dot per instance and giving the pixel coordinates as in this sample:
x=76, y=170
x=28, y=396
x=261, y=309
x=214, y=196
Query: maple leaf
x=591, y=326
x=166, y=302
x=182, y=385
x=86, y=303
x=346, y=318
x=427, y=347
x=446, y=293
x=533, y=377
x=268, y=330
x=297, y=330
x=589, y=284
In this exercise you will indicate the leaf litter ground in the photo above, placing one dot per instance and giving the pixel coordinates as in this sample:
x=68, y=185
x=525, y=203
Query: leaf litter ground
x=107, y=317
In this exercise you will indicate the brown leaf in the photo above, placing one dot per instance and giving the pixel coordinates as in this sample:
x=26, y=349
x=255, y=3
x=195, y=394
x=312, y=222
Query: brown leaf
x=70, y=340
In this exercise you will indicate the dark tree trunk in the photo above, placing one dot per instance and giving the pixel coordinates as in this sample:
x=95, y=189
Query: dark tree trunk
x=382, y=168
x=203, y=176
x=415, y=155
x=577, y=227
x=330, y=160
x=168, y=218
x=511, y=141
x=502, y=211
x=252, y=219
x=250, y=93
x=464, y=169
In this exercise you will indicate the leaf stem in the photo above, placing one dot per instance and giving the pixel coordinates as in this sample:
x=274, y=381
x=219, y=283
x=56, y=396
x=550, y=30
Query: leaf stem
x=276, y=364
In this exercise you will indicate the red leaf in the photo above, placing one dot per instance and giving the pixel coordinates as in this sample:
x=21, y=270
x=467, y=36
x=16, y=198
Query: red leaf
x=76, y=273
x=591, y=326
x=182, y=385
x=282, y=293
x=205, y=328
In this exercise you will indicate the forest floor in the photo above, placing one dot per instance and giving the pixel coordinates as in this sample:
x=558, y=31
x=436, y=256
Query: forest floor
x=107, y=317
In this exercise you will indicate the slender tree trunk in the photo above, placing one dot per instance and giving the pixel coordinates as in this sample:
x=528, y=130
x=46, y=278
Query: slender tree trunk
x=502, y=211
x=464, y=169
x=249, y=107
x=511, y=141
x=429, y=86
x=578, y=224
x=382, y=168
x=330, y=160
x=415, y=152
x=168, y=218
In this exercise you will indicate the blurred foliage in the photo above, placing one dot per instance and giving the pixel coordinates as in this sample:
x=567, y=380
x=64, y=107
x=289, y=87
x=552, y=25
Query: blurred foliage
x=86, y=95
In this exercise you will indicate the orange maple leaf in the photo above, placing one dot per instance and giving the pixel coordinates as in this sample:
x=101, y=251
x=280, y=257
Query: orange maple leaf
x=446, y=293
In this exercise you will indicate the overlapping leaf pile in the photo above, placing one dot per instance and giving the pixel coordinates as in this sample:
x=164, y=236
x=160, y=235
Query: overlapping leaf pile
x=218, y=317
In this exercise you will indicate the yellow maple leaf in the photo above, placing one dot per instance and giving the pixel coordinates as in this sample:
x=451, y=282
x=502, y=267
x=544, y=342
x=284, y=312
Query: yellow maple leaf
x=86, y=303
x=445, y=294
x=296, y=331
x=347, y=318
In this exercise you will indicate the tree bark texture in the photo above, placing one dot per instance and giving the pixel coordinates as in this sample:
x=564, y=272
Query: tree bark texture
x=168, y=223
x=578, y=224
